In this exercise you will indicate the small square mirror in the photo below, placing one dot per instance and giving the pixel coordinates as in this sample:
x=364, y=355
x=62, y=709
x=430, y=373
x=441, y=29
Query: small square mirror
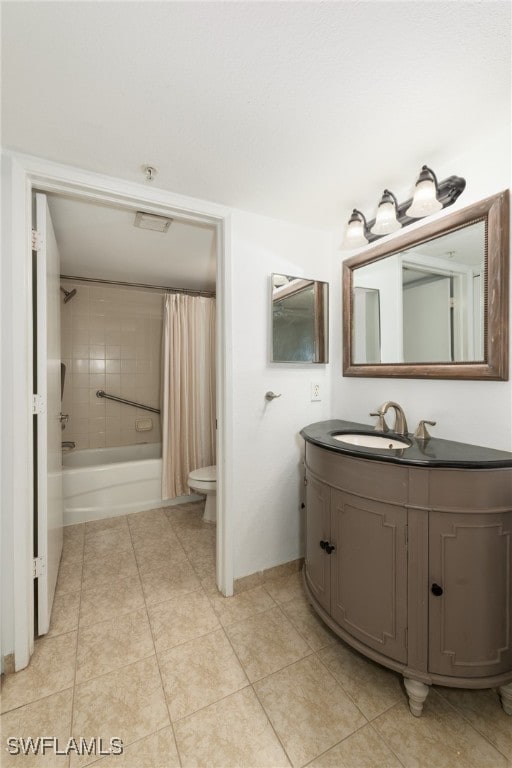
x=299, y=320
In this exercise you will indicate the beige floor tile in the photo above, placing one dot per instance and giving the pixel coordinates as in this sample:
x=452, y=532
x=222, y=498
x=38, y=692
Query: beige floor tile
x=50, y=716
x=147, y=517
x=308, y=709
x=150, y=535
x=155, y=751
x=111, y=599
x=169, y=582
x=64, y=617
x=232, y=733
x=266, y=643
x=72, y=550
x=286, y=588
x=285, y=569
x=182, y=619
x=233, y=609
x=484, y=711
x=248, y=582
x=201, y=541
x=200, y=672
x=440, y=737
x=112, y=644
x=51, y=669
x=306, y=621
x=69, y=578
x=105, y=524
x=108, y=568
x=185, y=513
x=107, y=541
x=373, y=687
x=204, y=568
x=74, y=531
x=159, y=555
x=128, y=703
x=364, y=749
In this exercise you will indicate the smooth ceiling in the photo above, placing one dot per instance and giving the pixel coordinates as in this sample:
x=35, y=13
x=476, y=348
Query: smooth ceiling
x=299, y=111
x=102, y=242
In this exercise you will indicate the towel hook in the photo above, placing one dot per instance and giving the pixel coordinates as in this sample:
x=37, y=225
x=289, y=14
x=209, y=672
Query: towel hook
x=271, y=395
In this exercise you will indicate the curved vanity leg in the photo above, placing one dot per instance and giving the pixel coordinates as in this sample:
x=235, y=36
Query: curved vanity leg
x=506, y=698
x=417, y=693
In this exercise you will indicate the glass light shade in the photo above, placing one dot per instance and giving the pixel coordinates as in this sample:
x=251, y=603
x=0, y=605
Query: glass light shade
x=385, y=221
x=424, y=201
x=354, y=236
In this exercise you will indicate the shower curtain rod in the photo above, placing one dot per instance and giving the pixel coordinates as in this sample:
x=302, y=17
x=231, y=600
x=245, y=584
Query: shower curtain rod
x=165, y=288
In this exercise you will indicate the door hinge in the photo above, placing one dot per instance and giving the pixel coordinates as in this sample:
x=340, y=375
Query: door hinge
x=38, y=404
x=38, y=567
x=452, y=303
x=37, y=240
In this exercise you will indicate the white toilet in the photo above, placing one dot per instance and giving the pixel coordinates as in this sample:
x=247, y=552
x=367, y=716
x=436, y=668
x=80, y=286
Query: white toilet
x=204, y=480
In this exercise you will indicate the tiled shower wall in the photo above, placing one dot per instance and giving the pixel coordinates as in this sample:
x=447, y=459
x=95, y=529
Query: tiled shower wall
x=111, y=340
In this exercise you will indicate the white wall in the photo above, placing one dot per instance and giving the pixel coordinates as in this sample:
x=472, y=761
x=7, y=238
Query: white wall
x=478, y=412
x=267, y=448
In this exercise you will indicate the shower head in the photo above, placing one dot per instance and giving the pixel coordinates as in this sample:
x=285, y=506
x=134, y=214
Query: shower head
x=68, y=295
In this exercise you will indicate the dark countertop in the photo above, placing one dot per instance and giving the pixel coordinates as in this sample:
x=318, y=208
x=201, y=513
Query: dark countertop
x=433, y=452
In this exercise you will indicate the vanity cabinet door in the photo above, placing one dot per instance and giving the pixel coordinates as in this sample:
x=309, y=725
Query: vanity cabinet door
x=318, y=523
x=470, y=598
x=369, y=572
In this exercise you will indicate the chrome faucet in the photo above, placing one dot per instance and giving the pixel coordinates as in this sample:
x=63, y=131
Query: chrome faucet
x=400, y=427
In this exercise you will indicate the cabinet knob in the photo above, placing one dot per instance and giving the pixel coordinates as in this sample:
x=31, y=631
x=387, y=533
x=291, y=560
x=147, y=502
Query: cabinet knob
x=436, y=590
x=302, y=505
x=324, y=544
x=330, y=548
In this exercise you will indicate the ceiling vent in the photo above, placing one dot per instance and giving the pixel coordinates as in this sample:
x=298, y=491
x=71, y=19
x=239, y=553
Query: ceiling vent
x=151, y=221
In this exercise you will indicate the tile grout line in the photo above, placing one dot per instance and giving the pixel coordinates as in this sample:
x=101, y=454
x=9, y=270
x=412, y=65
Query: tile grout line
x=156, y=656
x=468, y=721
x=71, y=724
x=251, y=685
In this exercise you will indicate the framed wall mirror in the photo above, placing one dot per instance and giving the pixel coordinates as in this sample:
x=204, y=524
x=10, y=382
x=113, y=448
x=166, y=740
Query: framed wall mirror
x=432, y=303
x=299, y=320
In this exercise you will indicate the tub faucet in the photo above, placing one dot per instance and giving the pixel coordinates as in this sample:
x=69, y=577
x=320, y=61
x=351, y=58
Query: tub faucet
x=68, y=445
x=400, y=427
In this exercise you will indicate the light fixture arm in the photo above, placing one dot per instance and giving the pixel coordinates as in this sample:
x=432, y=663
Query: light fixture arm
x=357, y=216
x=448, y=191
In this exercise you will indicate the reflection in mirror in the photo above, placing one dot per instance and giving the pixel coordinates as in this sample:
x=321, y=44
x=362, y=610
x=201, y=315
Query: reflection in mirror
x=299, y=320
x=432, y=302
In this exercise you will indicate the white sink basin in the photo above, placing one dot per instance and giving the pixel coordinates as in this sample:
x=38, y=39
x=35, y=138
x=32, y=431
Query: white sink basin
x=372, y=441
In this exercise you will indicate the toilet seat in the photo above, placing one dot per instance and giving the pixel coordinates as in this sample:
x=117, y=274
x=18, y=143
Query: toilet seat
x=204, y=480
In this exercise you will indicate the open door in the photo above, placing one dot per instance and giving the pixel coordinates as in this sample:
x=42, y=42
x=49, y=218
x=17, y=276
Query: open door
x=48, y=517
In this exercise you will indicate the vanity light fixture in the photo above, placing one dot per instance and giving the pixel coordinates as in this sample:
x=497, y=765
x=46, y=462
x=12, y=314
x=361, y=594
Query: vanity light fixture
x=386, y=220
x=425, y=201
x=355, y=236
x=429, y=197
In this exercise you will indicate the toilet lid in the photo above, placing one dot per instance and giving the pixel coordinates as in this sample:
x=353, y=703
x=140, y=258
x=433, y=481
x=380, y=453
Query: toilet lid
x=206, y=474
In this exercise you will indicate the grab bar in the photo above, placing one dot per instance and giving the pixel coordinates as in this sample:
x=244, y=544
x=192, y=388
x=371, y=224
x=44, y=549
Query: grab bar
x=101, y=393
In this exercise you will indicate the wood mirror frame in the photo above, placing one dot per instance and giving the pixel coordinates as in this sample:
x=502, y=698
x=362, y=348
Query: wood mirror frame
x=495, y=212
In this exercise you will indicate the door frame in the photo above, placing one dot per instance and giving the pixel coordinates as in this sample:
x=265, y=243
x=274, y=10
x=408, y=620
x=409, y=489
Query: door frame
x=21, y=175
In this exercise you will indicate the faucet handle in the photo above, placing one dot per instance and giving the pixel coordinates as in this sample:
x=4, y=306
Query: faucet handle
x=381, y=425
x=421, y=431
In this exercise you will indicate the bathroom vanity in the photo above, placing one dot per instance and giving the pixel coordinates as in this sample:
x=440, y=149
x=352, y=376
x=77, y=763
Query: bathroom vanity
x=409, y=555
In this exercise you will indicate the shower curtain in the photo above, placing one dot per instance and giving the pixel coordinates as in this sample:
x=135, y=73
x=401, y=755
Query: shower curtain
x=188, y=399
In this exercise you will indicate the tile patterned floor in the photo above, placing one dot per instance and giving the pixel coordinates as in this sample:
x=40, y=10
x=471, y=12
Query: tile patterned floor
x=143, y=647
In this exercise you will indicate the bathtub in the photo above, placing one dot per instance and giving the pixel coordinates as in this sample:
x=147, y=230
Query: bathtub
x=106, y=482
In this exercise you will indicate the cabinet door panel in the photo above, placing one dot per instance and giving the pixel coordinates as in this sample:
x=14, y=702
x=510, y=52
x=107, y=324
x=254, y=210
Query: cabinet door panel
x=317, y=530
x=369, y=572
x=470, y=622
